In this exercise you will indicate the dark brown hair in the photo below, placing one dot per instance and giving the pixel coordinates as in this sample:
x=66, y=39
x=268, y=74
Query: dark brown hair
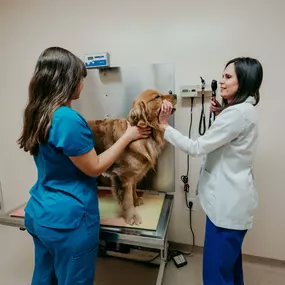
x=250, y=75
x=57, y=75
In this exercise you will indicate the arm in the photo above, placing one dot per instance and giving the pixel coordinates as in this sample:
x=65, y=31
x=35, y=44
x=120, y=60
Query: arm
x=227, y=126
x=94, y=165
x=72, y=135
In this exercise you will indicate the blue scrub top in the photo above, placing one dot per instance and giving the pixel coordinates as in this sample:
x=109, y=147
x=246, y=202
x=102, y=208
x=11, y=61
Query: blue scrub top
x=62, y=194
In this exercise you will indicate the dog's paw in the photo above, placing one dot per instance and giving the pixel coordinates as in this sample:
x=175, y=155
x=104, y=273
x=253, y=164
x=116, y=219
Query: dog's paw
x=138, y=202
x=132, y=217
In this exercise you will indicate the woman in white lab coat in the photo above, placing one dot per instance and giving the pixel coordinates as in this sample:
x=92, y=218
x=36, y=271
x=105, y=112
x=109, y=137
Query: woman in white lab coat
x=226, y=187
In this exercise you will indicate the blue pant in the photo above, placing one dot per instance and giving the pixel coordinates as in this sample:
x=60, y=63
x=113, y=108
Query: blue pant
x=64, y=257
x=222, y=257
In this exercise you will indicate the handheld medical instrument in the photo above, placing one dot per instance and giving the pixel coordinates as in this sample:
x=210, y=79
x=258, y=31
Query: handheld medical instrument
x=214, y=87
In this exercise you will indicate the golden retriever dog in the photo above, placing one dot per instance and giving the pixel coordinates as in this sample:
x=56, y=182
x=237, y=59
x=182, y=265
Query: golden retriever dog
x=140, y=156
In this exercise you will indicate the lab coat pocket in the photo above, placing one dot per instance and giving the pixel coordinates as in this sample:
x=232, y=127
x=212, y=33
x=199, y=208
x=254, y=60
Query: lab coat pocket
x=253, y=199
x=207, y=190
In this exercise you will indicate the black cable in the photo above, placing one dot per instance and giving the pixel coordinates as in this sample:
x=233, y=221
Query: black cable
x=202, y=116
x=210, y=119
x=176, y=252
x=149, y=261
x=185, y=180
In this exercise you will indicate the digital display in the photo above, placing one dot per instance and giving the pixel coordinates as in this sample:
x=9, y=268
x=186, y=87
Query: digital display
x=90, y=58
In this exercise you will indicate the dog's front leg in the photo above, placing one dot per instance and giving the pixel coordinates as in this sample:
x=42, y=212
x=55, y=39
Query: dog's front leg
x=138, y=201
x=130, y=213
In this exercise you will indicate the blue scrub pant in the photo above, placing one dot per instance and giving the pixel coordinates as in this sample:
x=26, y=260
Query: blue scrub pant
x=64, y=256
x=222, y=257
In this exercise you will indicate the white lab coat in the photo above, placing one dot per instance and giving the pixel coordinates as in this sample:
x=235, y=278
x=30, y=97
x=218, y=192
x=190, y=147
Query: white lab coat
x=226, y=187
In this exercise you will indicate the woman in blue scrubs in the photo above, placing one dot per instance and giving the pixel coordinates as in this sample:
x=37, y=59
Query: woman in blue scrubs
x=62, y=213
x=226, y=187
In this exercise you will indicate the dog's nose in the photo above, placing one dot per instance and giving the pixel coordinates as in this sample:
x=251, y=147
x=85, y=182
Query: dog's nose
x=174, y=95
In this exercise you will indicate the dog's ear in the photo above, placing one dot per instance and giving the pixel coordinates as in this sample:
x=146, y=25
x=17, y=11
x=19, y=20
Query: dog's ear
x=138, y=115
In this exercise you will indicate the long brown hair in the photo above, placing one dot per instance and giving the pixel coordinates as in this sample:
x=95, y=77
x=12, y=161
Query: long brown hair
x=57, y=75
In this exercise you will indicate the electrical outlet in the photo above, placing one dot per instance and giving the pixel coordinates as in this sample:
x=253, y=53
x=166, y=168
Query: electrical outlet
x=196, y=205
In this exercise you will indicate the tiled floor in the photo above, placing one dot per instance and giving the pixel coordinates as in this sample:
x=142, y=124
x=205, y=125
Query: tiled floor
x=114, y=271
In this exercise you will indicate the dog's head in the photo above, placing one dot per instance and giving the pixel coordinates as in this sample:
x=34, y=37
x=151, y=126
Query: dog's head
x=146, y=108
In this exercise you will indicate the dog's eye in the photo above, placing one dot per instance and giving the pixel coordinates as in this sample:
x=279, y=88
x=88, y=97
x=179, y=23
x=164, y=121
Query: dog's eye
x=157, y=97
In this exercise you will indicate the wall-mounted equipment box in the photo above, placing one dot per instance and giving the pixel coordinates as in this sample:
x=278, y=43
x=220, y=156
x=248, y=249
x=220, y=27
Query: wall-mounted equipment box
x=188, y=91
x=97, y=60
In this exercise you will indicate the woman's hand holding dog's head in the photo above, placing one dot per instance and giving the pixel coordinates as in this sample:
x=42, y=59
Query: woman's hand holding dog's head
x=165, y=112
x=135, y=133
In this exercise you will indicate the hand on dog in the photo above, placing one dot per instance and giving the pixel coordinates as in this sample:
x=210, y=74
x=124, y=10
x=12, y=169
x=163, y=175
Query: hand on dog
x=165, y=112
x=135, y=133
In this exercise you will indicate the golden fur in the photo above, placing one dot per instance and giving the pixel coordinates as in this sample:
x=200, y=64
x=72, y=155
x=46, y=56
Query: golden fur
x=139, y=156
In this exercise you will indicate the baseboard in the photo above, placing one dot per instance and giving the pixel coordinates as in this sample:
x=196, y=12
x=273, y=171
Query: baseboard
x=246, y=257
